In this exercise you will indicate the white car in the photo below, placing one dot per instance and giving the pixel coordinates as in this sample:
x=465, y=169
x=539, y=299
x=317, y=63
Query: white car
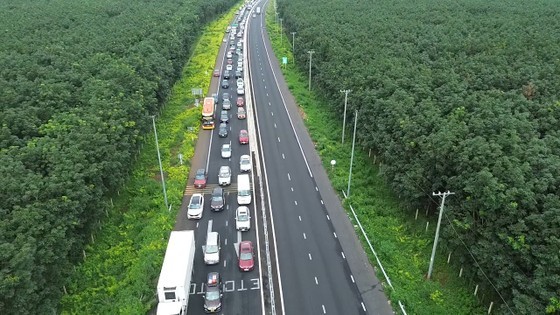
x=240, y=90
x=229, y=67
x=239, y=82
x=196, y=207
x=226, y=150
x=245, y=163
x=238, y=68
x=224, y=176
x=242, y=219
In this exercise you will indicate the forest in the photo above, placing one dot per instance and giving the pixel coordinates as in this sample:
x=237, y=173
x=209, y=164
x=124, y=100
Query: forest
x=460, y=96
x=80, y=80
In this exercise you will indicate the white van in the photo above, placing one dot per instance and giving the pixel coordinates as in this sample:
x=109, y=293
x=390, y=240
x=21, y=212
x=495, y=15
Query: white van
x=243, y=189
x=212, y=249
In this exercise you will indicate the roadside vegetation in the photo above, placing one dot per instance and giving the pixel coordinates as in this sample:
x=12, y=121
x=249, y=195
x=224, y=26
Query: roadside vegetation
x=401, y=241
x=80, y=81
x=120, y=272
x=459, y=96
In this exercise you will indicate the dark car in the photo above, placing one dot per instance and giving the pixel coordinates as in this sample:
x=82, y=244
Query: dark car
x=227, y=74
x=246, y=260
x=218, y=200
x=213, y=294
x=238, y=74
x=225, y=96
x=226, y=104
x=224, y=116
x=225, y=84
x=223, y=132
x=215, y=97
x=200, y=178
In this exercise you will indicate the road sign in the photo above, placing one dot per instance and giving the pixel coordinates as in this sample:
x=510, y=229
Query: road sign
x=284, y=60
x=196, y=91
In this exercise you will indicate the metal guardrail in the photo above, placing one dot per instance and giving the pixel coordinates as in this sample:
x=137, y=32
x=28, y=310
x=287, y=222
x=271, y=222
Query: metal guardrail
x=374, y=253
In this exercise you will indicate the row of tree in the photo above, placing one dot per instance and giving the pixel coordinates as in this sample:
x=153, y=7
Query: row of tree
x=79, y=80
x=461, y=96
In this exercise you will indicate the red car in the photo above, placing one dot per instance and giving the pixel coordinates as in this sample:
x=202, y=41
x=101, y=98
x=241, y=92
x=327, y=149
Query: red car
x=243, y=136
x=216, y=73
x=246, y=259
x=200, y=178
x=240, y=101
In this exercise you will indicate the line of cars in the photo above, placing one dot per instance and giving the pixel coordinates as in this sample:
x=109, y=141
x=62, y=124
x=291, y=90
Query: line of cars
x=245, y=250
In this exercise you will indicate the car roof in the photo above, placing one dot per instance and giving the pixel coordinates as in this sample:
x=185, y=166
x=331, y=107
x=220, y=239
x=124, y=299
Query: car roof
x=225, y=167
x=200, y=171
x=217, y=190
x=242, y=209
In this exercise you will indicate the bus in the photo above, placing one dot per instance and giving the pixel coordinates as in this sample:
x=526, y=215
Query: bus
x=208, y=113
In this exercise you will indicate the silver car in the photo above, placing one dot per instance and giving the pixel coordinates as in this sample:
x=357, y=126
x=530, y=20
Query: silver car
x=224, y=176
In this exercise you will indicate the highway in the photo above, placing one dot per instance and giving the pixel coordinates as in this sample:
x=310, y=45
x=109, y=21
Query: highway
x=313, y=270
x=297, y=221
x=242, y=291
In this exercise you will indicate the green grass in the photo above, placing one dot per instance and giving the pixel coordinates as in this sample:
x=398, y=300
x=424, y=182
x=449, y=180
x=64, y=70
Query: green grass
x=118, y=275
x=401, y=242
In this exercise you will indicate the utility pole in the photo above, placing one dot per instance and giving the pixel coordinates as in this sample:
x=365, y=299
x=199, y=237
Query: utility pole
x=443, y=195
x=281, y=35
x=160, y=167
x=352, y=156
x=310, y=52
x=345, y=104
x=294, y=45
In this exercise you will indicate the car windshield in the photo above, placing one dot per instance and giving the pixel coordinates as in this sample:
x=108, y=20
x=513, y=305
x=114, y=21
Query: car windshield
x=211, y=249
x=224, y=173
x=246, y=256
x=212, y=295
x=199, y=176
x=244, y=162
x=217, y=198
x=195, y=205
x=226, y=149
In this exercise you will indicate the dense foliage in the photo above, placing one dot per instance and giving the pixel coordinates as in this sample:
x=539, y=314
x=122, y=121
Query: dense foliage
x=79, y=81
x=460, y=96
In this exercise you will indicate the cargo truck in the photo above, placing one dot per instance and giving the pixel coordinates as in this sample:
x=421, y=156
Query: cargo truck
x=175, y=277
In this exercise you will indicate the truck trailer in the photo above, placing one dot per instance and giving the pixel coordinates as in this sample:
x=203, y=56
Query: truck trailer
x=175, y=277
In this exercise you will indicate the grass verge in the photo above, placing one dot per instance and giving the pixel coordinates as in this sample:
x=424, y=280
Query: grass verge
x=122, y=263
x=401, y=242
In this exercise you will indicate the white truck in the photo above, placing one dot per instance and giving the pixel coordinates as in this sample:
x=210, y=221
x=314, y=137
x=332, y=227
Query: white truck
x=243, y=189
x=174, y=282
x=258, y=10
